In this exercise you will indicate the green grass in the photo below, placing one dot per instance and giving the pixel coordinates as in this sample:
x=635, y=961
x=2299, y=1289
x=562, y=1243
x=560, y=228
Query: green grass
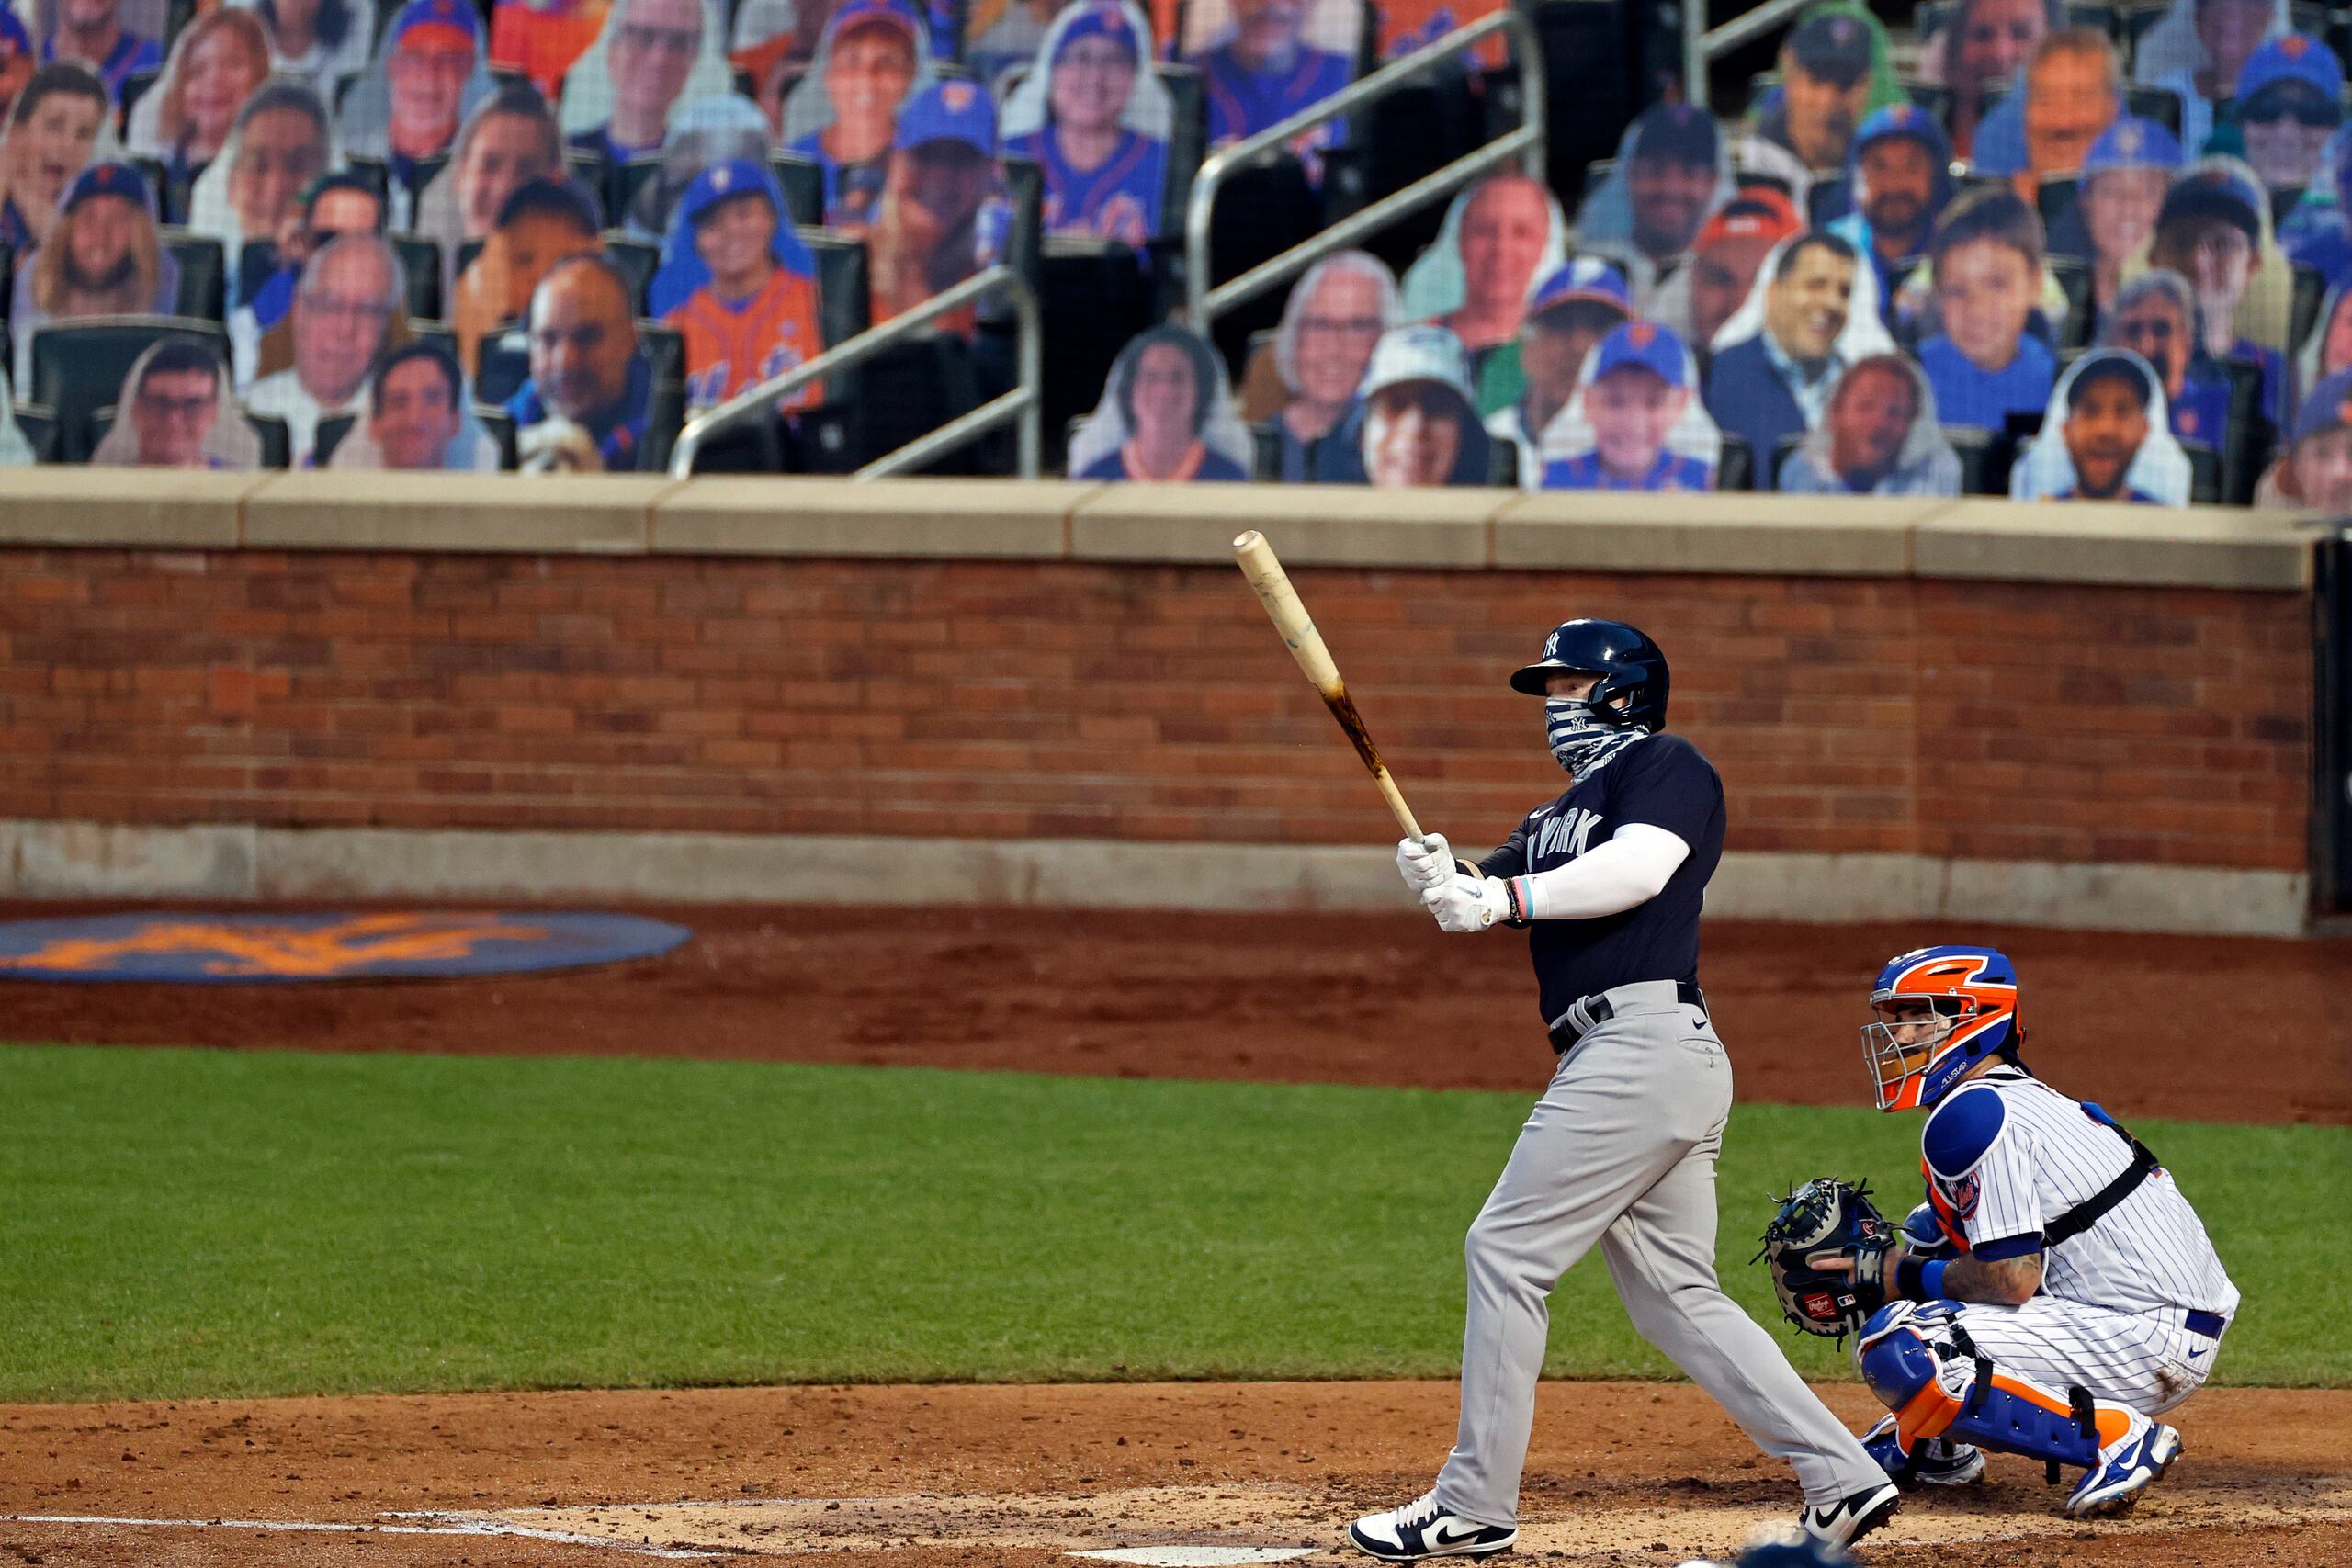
x=178, y=1223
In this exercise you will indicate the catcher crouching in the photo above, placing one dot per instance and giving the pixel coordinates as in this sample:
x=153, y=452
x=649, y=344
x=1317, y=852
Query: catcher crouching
x=2054, y=1295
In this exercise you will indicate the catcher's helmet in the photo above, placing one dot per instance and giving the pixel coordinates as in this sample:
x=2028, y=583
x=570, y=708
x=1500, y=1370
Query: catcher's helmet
x=1633, y=685
x=1972, y=994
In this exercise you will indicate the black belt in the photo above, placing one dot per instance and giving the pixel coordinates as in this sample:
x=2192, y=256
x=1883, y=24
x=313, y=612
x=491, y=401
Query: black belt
x=1597, y=1010
x=2209, y=1324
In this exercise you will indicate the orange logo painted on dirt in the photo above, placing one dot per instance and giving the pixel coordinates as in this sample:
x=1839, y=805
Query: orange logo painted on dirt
x=288, y=951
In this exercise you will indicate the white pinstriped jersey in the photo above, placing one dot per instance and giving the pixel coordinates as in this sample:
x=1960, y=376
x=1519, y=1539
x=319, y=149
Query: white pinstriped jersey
x=2006, y=1155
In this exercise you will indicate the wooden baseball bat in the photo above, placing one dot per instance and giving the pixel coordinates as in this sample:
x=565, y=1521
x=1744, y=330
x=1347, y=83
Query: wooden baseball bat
x=1272, y=585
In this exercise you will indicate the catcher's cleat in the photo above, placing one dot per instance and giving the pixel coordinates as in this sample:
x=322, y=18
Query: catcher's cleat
x=1932, y=1461
x=1846, y=1521
x=2126, y=1468
x=1421, y=1528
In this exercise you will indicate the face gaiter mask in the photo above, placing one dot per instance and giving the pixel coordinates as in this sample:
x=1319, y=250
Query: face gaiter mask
x=1582, y=740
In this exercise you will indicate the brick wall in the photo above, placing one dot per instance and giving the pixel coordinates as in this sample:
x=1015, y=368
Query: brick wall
x=1068, y=700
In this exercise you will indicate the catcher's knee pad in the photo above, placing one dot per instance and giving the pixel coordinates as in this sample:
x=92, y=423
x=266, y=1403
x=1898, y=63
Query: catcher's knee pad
x=1921, y=1364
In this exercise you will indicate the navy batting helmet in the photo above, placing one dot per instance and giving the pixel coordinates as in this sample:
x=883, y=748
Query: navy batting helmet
x=1632, y=668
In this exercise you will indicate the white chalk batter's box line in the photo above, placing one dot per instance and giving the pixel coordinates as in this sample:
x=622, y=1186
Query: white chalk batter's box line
x=445, y=1524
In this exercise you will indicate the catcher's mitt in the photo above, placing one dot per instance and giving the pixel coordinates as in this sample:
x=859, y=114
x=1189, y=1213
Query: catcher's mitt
x=1822, y=1220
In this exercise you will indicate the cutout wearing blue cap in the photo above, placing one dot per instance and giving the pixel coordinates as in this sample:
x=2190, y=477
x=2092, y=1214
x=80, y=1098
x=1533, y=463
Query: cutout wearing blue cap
x=1581, y=277
x=1096, y=121
x=745, y=303
x=1625, y=428
x=948, y=111
x=2290, y=102
x=1898, y=182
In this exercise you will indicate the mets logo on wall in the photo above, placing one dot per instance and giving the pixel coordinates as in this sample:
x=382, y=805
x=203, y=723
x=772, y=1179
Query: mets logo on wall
x=215, y=949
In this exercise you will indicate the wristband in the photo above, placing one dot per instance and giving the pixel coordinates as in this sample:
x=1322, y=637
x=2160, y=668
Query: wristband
x=1518, y=898
x=1917, y=1281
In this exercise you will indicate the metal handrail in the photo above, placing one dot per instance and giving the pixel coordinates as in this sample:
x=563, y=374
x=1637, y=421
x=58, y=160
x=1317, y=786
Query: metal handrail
x=1023, y=403
x=1702, y=45
x=1203, y=304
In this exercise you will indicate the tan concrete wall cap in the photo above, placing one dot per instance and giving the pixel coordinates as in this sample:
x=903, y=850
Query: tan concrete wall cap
x=2208, y=547
x=1008, y=518
x=168, y=508
x=1308, y=524
x=1626, y=531
x=559, y=513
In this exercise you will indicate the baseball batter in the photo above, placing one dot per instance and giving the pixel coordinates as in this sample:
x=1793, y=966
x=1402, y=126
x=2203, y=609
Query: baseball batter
x=2056, y=1292
x=1620, y=1150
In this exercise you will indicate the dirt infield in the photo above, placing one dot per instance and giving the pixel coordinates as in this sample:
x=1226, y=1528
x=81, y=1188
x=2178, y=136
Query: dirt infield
x=2137, y=1023
x=1620, y=1473
x=1025, y=1477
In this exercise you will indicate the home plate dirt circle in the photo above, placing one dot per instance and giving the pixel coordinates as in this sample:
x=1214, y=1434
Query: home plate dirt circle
x=1176, y=1525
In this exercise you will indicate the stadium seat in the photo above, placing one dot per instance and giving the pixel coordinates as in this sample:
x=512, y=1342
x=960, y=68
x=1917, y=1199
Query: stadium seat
x=171, y=195
x=1188, y=142
x=204, y=284
x=1756, y=179
x=1827, y=198
x=908, y=390
x=1935, y=100
x=1737, y=470
x=135, y=87
x=1266, y=449
x=1262, y=211
x=2284, y=201
x=8, y=277
x=256, y=261
x=2102, y=19
x=2053, y=198
x=500, y=425
x=803, y=180
x=1592, y=84
x=1404, y=137
x=1781, y=452
x=1092, y=300
x=504, y=366
x=636, y=261
x=2250, y=434
x=332, y=429
x=420, y=270
x=1975, y=449
x=2204, y=473
x=1502, y=464
x=631, y=178
x=40, y=426
x=2159, y=104
x=844, y=294
x=2074, y=276
x=2303, y=313
x=591, y=169
x=78, y=367
x=426, y=170
x=374, y=170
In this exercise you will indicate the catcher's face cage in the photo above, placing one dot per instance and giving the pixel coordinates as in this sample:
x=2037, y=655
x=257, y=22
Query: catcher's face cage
x=1899, y=1050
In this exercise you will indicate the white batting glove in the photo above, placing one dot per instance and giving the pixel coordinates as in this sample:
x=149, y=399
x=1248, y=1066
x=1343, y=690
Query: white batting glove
x=1467, y=903
x=1425, y=863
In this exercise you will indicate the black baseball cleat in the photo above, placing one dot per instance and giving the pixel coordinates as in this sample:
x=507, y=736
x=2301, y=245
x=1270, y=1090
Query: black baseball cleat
x=1846, y=1521
x=1420, y=1528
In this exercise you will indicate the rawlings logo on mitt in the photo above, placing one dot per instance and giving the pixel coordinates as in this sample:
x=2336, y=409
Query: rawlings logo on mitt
x=1824, y=1221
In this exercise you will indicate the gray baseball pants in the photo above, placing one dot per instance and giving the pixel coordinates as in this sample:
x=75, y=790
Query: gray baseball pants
x=1620, y=1150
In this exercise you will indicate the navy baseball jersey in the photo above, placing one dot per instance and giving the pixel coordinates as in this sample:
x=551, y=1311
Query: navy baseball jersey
x=1665, y=782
